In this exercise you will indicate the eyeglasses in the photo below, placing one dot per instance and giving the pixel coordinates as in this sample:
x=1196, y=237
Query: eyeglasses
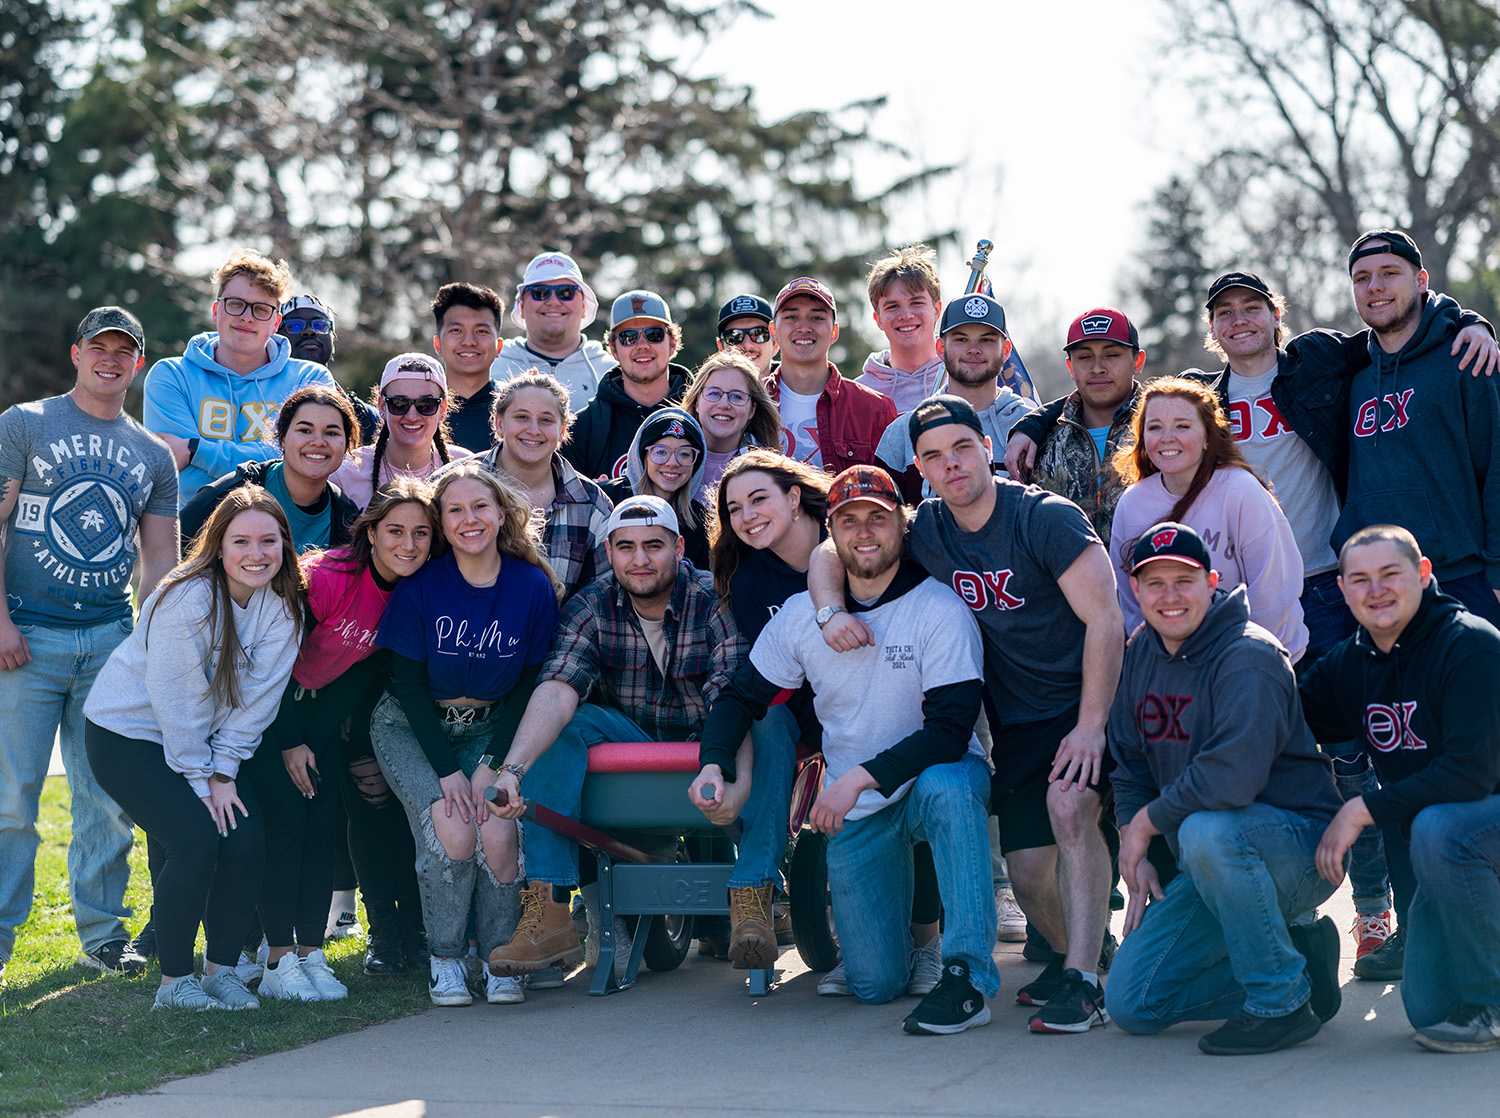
x=653, y=334
x=735, y=397
x=303, y=325
x=541, y=292
x=661, y=455
x=760, y=335
x=236, y=307
x=425, y=405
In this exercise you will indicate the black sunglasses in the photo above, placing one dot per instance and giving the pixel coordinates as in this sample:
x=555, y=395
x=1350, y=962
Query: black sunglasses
x=541, y=292
x=653, y=334
x=301, y=325
x=760, y=335
x=425, y=405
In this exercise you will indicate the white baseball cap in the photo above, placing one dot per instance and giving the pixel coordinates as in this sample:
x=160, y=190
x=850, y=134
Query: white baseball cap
x=553, y=267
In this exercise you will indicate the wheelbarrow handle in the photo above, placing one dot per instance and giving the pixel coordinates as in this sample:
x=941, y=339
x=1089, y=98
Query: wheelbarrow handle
x=569, y=828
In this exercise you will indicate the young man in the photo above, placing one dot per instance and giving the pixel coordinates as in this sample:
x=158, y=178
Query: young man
x=553, y=305
x=86, y=490
x=826, y=421
x=904, y=765
x=1042, y=588
x=1212, y=753
x=973, y=346
x=643, y=339
x=312, y=328
x=467, y=342
x=1068, y=446
x=745, y=325
x=215, y=406
x=651, y=649
x=1416, y=686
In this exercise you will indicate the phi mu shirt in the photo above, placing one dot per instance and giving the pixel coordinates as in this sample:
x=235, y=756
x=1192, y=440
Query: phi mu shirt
x=347, y=606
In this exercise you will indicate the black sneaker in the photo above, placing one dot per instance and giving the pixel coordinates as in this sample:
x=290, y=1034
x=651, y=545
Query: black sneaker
x=953, y=1006
x=1107, y=951
x=1037, y=949
x=144, y=943
x=1387, y=962
x=1319, y=945
x=1077, y=1007
x=115, y=957
x=384, y=958
x=1254, y=1036
x=1042, y=989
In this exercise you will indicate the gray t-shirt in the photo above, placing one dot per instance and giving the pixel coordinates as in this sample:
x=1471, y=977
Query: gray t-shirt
x=85, y=484
x=869, y=699
x=1303, y=484
x=1007, y=574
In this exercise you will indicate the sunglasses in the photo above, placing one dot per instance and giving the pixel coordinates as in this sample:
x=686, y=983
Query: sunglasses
x=735, y=397
x=541, y=292
x=425, y=405
x=653, y=334
x=306, y=325
x=760, y=335
x=236, y=307
x=661, y=455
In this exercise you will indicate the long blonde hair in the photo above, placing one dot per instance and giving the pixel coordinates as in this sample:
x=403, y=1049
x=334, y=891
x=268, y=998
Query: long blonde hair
x=520, y=535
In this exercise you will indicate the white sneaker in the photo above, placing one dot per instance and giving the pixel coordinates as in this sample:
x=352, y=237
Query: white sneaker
x=247, y=969
x=833, y=984
x=1010, y=921
x=185, y=993
x=503, y=990
x=285, y=980
x=225, y=987
x=343, y=920
x=926, y=967
x=447, y=985
x=317, y=971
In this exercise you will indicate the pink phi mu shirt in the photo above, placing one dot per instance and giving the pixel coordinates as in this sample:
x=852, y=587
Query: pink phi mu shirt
x=347, y=609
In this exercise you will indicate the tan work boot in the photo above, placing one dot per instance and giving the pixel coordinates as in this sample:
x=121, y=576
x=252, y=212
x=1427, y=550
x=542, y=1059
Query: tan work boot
x=752, y=940
x=544, y=936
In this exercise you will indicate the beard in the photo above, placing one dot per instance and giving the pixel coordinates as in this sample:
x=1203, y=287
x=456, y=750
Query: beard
x=969, y=378
x=868, y=566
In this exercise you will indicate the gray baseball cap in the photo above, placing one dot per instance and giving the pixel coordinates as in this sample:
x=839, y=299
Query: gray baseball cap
x=103, y=319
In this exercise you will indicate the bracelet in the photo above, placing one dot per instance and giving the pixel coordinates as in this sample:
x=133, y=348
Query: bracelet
x=515, y=770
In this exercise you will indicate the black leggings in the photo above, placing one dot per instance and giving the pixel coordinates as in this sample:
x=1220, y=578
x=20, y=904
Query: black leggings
x=202, y=877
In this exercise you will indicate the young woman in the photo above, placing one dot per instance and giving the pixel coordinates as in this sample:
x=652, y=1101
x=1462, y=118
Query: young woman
x=531, y=419
x=413, y=442
x=1184, y=466
x=731, y=404
x=469, y=633
x=666, y=461
x=315, y=429
x=296, y=772
x=179, y=707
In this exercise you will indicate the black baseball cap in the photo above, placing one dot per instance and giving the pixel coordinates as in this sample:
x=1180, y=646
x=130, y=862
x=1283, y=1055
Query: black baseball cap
x=925, y=416
x=1399, y=244
x=102, y=319
x=973, y=307
x=1170, y=540
x=1248, y=280
x=744, y=306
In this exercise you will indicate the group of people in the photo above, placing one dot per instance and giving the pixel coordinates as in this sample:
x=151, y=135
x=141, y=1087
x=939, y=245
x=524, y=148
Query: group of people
x=1202, y=634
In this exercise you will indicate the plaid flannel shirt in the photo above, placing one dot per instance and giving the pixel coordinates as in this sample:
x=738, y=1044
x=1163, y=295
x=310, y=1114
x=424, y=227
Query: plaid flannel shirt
x=601, y=652
x=573, y=532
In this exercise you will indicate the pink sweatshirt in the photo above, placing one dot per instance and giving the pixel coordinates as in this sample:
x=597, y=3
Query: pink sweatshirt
x=1248, y=536
x=347, y=609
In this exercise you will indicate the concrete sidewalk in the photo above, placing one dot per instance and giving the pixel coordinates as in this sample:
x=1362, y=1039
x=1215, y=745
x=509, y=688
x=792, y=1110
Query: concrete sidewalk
x=691, y=1042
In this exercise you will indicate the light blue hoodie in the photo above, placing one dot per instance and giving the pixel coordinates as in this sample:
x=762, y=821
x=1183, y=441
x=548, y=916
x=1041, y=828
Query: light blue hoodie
x=234, y=415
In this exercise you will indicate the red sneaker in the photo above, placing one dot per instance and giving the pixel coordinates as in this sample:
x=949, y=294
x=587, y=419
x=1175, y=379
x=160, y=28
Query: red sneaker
x=1370, y=932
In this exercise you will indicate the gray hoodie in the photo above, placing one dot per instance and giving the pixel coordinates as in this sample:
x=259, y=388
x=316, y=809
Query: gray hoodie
x=1217, y=725
x=580, y=371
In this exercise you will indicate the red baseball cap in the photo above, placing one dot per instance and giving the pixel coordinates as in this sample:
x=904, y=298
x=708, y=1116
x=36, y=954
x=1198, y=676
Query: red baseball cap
x=805, y=285
x=863, y=483
x=1102, y=324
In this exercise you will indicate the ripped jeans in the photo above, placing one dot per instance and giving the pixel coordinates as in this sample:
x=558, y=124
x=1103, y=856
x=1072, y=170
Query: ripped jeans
x=448, y=887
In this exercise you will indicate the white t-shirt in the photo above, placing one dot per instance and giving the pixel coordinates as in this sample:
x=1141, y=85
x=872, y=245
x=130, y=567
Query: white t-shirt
x=799, y=427
x=1303, y=484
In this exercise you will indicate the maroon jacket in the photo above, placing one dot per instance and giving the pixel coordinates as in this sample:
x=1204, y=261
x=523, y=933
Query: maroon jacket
x=851, y=419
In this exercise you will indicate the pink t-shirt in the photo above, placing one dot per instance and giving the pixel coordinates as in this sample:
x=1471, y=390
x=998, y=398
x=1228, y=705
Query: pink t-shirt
x=347, y=609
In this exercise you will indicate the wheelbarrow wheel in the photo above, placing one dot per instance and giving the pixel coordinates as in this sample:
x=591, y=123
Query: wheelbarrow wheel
x=812, y=908
x=670, y=936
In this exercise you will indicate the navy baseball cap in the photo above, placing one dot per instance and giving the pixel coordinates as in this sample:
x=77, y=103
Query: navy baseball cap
x=1170, y=540
x=1248, y=280
x=925, y=416
x=744, y=306
x=1396, y=242
x=974, y=307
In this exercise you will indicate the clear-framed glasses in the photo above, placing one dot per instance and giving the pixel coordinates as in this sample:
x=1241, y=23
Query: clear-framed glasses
x=737, y=398
x=661, y=454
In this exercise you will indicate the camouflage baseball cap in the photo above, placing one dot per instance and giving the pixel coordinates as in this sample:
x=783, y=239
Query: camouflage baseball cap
x=102, y=319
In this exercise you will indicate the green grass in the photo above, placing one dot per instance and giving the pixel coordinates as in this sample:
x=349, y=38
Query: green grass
x=70, y=1035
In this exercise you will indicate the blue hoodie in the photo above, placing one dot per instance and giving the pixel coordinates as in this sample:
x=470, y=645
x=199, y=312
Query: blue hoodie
x=234, y=416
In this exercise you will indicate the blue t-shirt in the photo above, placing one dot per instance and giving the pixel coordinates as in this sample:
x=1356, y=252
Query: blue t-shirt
x=474, y=640
x=310, y=530
x=1100, y=436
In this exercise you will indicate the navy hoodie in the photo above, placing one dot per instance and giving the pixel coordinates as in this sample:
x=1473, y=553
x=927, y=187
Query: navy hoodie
x=1214, y=726
x=604, y=430
x=1427, y=711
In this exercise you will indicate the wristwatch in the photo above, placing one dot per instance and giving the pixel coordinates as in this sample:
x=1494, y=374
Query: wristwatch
x=825, y=615
x=192, y=448
x=488, y=761
x=223, y=778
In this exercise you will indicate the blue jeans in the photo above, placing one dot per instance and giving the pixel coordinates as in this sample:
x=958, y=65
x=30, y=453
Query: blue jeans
x=1218, y=942
x=870, y=878
x=37, y=699
x=1454, y=925
x=1326, y=615
x=1369, y=879
x=555, y=780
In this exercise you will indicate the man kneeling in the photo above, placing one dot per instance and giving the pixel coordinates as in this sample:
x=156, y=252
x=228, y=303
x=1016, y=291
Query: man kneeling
x=903, y=762
x=1213, y=754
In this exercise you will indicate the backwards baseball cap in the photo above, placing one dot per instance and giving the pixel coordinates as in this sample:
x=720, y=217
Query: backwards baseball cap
x=1170, y=540
x=642, y=511
x=863, y=483
x=639, y=304
x=744, y=306
x=554, y=267
x=671, y=423
x=1248, y=280
x=103, y=319
x=1102, y=324
x=307, y=302
x=926, y=415
x=974, y=307
x=806, y=285
x=1397, y=242
x=414, y=366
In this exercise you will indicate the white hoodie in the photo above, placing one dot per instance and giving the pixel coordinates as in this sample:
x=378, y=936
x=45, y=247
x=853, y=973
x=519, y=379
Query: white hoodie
x=580, y=371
